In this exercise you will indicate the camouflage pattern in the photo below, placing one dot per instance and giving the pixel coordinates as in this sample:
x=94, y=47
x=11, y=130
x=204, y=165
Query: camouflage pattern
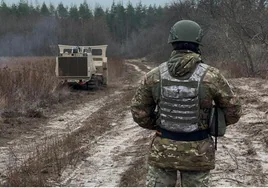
x=179, y=111
x=165, y=153
x=194, y=178
x=180, y=64
x=159, y=177
x=194, y=155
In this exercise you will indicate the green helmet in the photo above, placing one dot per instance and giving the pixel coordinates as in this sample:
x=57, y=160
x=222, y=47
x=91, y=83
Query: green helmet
x=185, y=31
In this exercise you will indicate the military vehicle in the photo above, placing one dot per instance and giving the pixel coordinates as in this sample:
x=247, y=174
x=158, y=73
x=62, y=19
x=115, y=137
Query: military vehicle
x=83, y=65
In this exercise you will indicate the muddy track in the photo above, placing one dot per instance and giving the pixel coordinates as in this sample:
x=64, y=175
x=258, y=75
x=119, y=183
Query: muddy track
x=104, y=165
x=242, y=156
x=113, y=152
x=96, y=127
x=56, y=126
x=108, y=149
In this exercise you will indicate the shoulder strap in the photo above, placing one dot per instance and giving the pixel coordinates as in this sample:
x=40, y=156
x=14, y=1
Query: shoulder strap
x=205, y=66
x=163, y=68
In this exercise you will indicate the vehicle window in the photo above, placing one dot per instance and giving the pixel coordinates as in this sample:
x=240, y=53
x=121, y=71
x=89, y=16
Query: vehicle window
x=96, y=52
x=67, y=51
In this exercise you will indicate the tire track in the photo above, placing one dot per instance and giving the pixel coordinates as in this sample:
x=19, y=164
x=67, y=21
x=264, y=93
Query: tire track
x=104, y=165
x=74, y=123
x=57, y=127
x=108, y=159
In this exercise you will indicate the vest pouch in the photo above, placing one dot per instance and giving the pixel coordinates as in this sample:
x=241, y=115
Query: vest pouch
x=180, y=92
x=217, y=123
x=179, y=104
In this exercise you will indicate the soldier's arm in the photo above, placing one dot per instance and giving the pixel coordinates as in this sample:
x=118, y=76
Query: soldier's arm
x=143, y=104
x=225, y=98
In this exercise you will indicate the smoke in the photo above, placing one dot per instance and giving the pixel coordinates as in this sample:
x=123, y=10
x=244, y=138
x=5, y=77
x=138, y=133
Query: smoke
x=36, y=42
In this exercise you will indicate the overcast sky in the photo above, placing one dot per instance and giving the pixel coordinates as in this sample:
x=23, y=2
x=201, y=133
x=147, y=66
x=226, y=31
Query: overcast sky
x=92, y=3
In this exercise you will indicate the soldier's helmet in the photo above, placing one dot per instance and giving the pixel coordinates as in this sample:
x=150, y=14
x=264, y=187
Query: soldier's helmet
x=186, y=31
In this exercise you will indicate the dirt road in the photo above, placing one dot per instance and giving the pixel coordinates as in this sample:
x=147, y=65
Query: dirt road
x=114, y=151
x=100, y=123
x=242, y=158
x=112, y=148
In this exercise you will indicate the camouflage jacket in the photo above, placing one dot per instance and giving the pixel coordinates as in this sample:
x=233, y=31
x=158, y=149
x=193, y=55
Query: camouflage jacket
x=182, y=155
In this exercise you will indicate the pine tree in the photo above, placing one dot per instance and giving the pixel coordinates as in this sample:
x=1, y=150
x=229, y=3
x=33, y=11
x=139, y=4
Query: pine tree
x=52, y=9
x=110, y=19
x=73, y=13
x=130, y=19
x=99, y=12
x=121, y=22
x=23, y=8
x=140, y=15
x=4, y=8
x=44, y=10
x=62, y=11
x=150, y=16
x=84, y=11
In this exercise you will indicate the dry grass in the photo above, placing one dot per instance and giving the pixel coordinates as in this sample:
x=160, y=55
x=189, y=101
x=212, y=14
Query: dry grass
x=116, y=68
x=45, y=164
x=27, y=83
x=233, y=69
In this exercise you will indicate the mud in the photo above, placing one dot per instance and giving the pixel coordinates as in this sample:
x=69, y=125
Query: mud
x=57, y=126
x=115, y=148
x=105, y=164
x=113, y=152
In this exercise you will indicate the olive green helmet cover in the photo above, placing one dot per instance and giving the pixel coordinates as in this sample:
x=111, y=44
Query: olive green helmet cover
x=185, y=31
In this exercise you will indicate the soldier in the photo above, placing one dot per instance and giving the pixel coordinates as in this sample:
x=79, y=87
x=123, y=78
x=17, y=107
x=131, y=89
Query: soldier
x=175, y=100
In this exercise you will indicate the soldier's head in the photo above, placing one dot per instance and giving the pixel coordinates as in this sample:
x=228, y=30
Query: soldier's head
x=185, y=35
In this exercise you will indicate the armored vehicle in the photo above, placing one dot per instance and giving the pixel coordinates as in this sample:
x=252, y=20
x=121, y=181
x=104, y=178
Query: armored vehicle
x=83, y=65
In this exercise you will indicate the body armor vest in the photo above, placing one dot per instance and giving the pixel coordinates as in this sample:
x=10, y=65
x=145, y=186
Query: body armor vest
x=179, y=100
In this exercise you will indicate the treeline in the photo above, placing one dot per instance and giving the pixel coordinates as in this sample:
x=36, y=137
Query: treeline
x=236, y=31
x=35, y=30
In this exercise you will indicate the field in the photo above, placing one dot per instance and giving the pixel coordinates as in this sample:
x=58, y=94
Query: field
x=56, y=136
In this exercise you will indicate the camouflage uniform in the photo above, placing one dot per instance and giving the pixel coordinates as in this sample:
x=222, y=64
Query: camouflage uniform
x=194, y=159
x=159, y=177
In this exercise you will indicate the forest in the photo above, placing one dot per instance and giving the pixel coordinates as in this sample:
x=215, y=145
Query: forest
x=235, y=30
